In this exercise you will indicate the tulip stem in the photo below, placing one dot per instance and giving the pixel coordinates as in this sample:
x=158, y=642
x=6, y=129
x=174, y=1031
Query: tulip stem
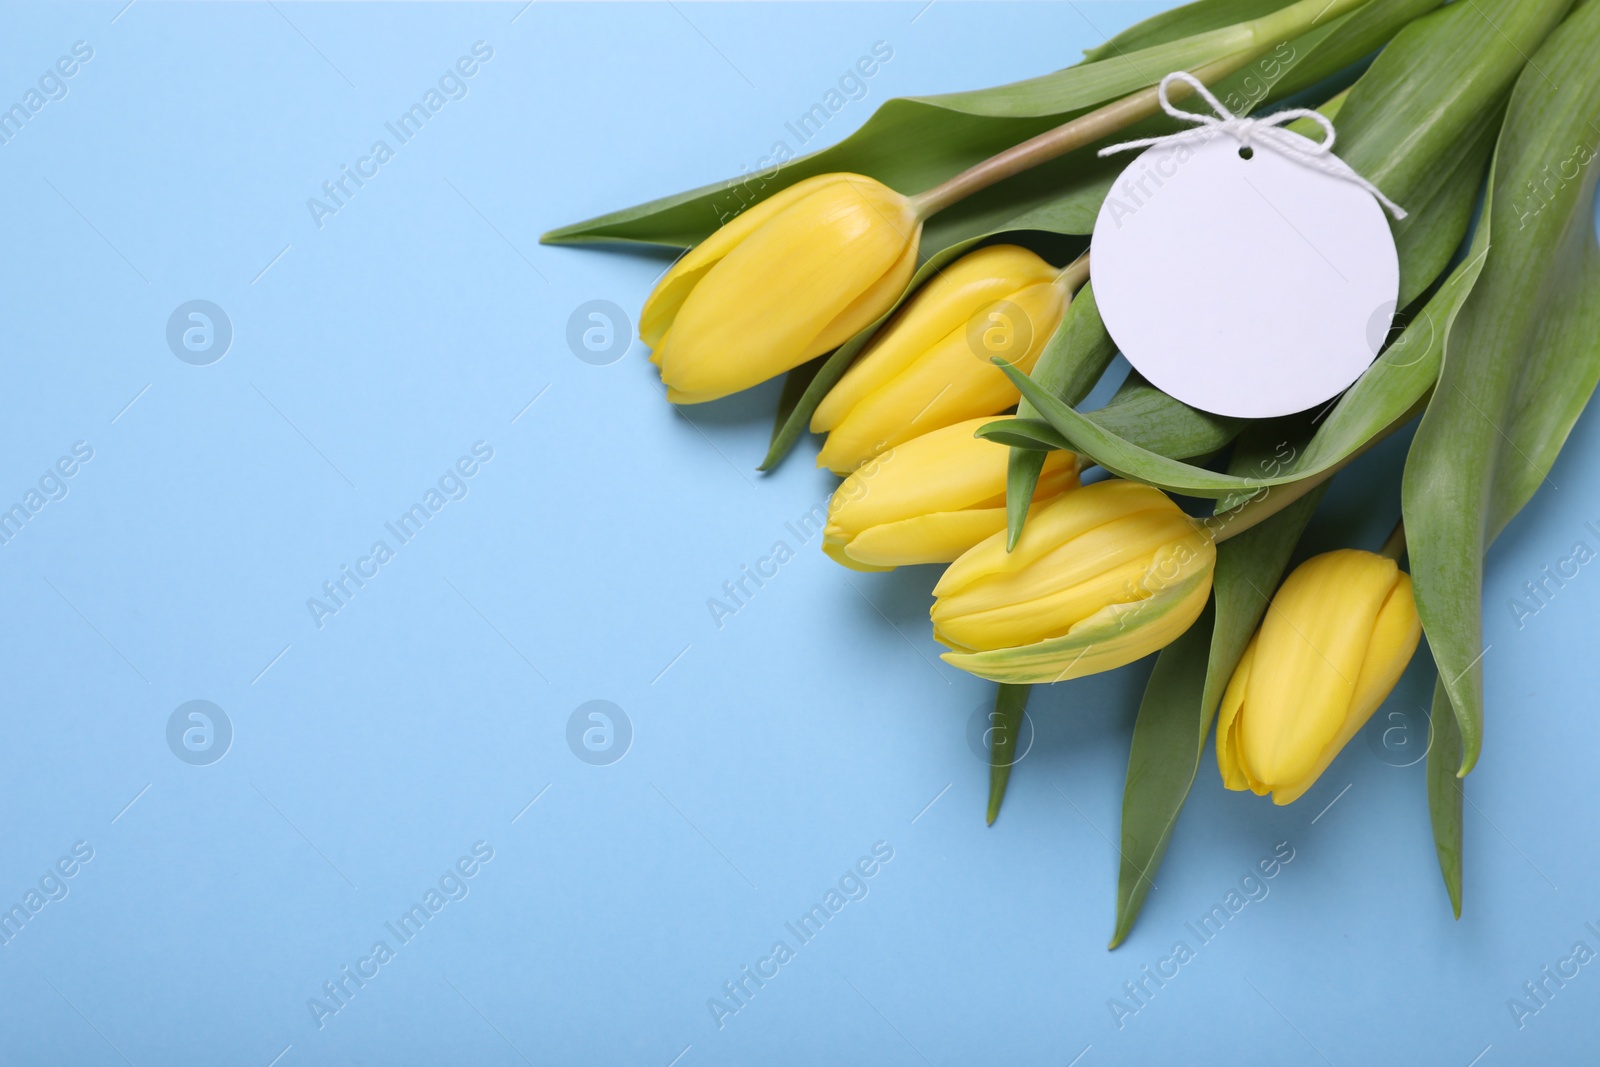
x=1394, y=546
x=1264, y=505
x=1069, y=136
x=1074, y=274
x=1272, y=499
x=1266, y=32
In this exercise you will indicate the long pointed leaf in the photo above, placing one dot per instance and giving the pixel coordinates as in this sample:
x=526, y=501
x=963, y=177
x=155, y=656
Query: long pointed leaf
x=1068, y=367
x=1005, y=727
x=1445, y=792
x=912, y=144
x=1146, y=417
x=1167, y=741
x=1181, y=698
x=795, y=384
x=1182, y=22
x=1524, y=357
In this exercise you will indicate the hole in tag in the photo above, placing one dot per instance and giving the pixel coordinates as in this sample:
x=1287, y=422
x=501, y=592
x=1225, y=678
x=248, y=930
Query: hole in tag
x=1246, y=152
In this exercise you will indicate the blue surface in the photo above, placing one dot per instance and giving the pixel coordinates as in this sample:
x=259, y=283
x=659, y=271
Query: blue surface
x=373, y=753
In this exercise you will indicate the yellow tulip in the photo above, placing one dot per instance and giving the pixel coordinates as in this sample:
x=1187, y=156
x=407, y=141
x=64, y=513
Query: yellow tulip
x=930, y=366
x=1101, y=576
x=930, y=499
x=1335, y=641
x=793, y=277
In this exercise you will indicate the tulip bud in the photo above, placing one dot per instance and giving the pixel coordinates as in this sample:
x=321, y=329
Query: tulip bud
x=930, y=499
x=931, y=365
x=793, y=277
x=1336, y=639
x=1100, y=577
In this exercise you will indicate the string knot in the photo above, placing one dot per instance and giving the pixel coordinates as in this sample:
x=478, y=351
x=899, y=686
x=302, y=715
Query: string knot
x=1266, y=132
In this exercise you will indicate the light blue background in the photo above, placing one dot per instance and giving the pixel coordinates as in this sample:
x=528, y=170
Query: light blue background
x=768, y=755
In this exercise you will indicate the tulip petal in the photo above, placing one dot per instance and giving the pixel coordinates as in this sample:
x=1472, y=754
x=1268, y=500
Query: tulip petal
x=1050, y=526
x=942, y=306
x=936, y=538
x=947, y=383
x=1395, y=636
x=834, y=550
x=761, y=308
x=869, y=305
x=1234, y=775
x=946, y=470
x=1309, y=654
x=929, y=499
x=1112, y=638
x=673, y=288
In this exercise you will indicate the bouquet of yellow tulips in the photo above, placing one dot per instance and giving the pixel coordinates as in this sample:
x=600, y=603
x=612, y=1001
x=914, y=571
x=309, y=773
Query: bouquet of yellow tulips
x=925, y=286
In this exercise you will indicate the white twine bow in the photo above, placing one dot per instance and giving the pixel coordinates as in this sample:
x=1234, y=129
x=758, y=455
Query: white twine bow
x=1265, y=132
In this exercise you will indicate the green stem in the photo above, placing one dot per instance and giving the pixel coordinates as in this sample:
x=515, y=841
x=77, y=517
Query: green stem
x=1005, y=726
x=1074, y=274
x=1265, y=33
x=1275, y=498
x=1394, y=546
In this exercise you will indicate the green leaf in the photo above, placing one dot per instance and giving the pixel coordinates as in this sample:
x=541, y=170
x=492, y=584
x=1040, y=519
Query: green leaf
x=1005, y=727
x=1382, y=400
x=912, y=144
x=795, y=384
x=1147, y=418
x=1073, y=360
x=1525, y=354
x=1186, y=687
x=1032, y=435
x=1140, y=414
x=1182, y=21
x=1445, y=791
x=1064, y=195
x=1167, y=741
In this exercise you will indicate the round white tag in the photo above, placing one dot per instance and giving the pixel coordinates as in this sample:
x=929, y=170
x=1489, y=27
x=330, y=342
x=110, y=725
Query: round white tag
x=1250, y=287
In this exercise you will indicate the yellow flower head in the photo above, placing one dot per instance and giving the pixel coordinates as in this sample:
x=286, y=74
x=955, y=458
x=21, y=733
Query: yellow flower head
x=1336, y=639
x=930, y=365
x=791, y=278
x=1102, y=576
x=930, y=499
